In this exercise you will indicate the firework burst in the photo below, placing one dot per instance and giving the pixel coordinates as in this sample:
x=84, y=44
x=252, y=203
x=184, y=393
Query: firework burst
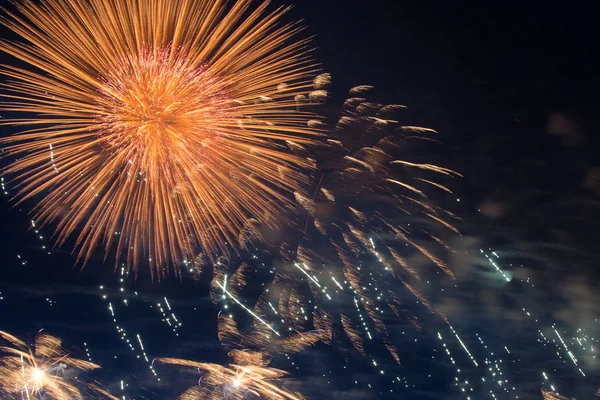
x=248, y=375
x=154, y=127
x=32, y=373
x=368, y=233
x=251, y=351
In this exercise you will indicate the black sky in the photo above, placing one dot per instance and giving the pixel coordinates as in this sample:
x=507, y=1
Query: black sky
x=518, y=59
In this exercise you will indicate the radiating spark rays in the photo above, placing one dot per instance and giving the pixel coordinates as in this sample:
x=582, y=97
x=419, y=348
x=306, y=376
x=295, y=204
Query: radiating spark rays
x=172, y=137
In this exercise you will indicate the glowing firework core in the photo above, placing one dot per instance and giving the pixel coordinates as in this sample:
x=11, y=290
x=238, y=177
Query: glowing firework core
x=37, y=376
x=160, y=103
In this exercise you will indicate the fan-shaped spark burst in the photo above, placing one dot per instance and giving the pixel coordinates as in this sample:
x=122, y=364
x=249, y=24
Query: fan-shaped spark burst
x=548, y=395
x=249, y=374
x=154, y=126
x=31, y=373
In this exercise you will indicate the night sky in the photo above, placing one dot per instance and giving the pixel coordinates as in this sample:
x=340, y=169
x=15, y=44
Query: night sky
x=512, y=90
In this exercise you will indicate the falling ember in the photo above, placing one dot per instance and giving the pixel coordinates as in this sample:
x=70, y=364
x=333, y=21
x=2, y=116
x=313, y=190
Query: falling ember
x=155, y=127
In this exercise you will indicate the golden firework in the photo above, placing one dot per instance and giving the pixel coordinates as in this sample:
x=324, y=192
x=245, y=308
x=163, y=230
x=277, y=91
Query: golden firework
x=154, y=126
x=31, y=373
x=248, y=374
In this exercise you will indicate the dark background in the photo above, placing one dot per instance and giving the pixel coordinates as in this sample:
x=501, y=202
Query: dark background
x=489, y=76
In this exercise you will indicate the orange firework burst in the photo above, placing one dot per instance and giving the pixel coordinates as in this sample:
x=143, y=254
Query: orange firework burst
x=30, y=373
x=248, y=375
x=370, y=229
x=155, y=126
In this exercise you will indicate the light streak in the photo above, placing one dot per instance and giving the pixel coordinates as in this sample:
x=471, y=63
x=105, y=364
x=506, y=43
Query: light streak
x=247, y=309
x=464, y=346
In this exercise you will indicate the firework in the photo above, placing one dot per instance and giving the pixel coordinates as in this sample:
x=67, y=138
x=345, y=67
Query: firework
x=154, y=127
x=32, y=373
x=249, y=374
